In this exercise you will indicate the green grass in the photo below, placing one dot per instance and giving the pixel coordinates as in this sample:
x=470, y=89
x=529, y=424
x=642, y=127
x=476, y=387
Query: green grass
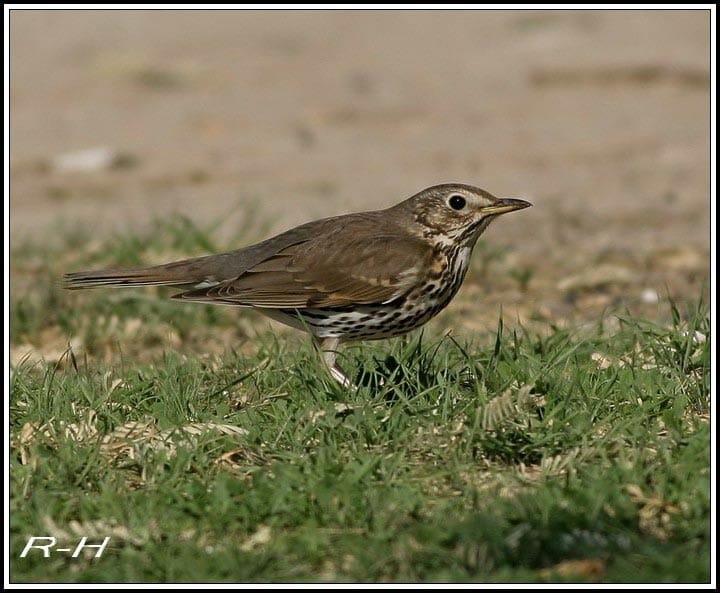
x=568, y=455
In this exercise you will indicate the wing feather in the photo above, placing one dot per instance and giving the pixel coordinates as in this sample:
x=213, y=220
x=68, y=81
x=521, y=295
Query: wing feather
x=327, y=271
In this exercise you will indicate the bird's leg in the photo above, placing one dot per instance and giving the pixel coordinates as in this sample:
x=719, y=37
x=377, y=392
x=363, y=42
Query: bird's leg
x=327, y=348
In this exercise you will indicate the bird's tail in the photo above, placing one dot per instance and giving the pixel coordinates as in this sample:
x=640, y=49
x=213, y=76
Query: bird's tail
x=181, y=273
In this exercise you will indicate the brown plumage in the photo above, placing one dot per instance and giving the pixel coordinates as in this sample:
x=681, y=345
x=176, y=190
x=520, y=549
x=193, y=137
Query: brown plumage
x=359, y=276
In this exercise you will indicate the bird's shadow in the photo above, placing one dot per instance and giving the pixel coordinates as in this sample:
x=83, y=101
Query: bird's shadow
x=395, y=379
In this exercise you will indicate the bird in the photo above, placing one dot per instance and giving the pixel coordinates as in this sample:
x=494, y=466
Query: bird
x=359, y=276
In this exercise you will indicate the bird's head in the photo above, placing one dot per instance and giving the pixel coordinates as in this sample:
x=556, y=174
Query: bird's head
x=455, y=213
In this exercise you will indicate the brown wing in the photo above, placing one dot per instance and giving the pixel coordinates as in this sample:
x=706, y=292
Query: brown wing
x=346, y=264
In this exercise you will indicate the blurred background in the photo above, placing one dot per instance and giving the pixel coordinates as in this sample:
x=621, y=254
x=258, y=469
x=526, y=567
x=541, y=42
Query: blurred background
x=599, y=117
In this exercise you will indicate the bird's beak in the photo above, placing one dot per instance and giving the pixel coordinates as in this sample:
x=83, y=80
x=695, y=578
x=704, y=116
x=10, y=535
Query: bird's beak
x=506, y=205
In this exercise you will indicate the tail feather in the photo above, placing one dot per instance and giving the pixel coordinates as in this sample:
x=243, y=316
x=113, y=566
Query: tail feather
x=131, y=277
x=184, y=273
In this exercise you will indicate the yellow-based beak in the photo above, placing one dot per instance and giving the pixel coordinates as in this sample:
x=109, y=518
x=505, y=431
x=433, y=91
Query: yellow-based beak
x=506, y=205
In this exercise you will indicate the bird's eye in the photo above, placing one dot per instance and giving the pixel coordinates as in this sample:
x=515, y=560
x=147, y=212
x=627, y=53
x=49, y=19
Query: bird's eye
x=456, y=202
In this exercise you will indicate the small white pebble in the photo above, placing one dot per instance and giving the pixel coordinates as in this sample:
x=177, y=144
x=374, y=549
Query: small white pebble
x=699, y=337
x=89, y=159
x=649, y=295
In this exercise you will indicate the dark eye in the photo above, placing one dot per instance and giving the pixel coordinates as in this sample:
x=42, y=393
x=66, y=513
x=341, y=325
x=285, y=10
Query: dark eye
x=457, y=202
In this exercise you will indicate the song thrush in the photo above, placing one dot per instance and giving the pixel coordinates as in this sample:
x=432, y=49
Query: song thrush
x=361, y=276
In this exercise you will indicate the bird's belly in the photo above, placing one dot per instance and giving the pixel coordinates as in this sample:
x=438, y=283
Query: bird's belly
x=366, y=322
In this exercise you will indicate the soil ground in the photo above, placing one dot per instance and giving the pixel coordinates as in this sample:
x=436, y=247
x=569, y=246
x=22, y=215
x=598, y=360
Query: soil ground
x=600, y=118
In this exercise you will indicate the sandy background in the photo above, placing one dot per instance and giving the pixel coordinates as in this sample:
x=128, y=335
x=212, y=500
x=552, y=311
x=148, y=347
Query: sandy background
x=600, y=118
